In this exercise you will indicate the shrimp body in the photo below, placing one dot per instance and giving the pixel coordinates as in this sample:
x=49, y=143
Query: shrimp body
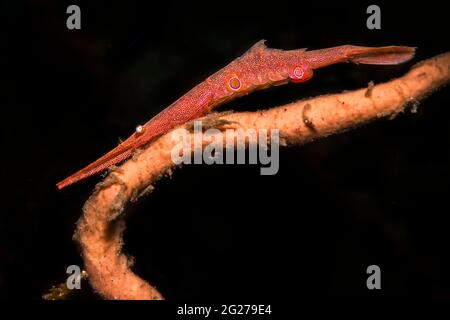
x=259, y=68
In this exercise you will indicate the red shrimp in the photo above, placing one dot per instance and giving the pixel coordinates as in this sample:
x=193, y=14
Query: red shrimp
x=259, y=68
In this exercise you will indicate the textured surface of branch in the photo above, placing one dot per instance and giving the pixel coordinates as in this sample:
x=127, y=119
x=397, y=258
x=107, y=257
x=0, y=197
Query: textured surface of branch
x=101, y=226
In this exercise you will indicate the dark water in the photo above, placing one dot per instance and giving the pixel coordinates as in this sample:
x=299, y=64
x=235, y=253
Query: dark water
x=374, y=195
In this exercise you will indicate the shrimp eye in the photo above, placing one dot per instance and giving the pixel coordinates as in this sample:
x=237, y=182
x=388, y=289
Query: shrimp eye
x=234, y=83
x=300, y=74
x=139, y=129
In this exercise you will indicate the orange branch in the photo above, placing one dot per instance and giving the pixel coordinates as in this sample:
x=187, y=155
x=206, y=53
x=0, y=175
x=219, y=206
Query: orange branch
x=101, y=226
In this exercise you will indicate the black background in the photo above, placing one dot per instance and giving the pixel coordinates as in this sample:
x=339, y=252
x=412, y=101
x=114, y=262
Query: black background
x=374, y=195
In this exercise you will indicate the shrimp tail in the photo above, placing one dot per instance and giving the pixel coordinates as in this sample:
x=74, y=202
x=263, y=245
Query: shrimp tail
x=388, y=55
x=382, y=55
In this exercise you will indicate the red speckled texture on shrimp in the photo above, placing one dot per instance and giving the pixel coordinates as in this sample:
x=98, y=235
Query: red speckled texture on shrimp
x=259, y=68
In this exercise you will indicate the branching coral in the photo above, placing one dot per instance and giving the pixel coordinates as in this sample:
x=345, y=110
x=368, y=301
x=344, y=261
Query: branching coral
x=101, y=226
